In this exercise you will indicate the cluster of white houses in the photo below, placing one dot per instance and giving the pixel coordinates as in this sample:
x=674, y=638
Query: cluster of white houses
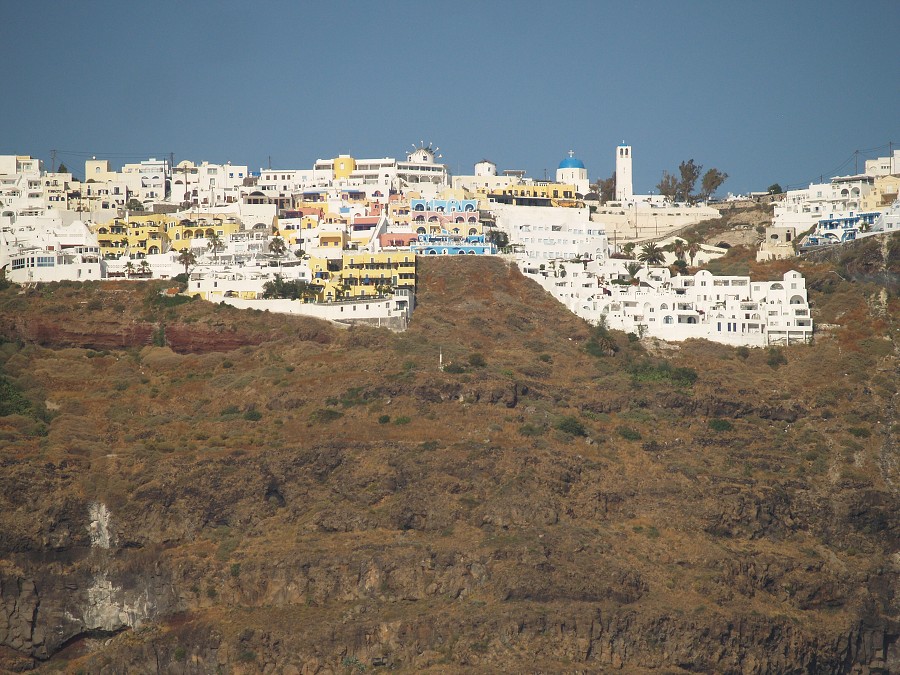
x=350, y=230
x=843, y=209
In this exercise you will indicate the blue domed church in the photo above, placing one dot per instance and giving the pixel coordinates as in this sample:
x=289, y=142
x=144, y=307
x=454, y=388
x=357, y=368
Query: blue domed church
x=571, y=171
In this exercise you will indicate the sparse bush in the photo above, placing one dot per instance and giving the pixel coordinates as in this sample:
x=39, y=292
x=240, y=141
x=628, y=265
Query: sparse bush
x=230, y=410
x=477, y=360
x=742, y=352
x=629, y=434
x=326, y=415
x=227, y=364
x=648, y=371
x=454, y=368
x=546, y=358
x=402, y=420
x=236, y=570
x=531, y=430
x=384, y=419
x=776, y=358
x=720, y=425
x=253, y=415
x=859, y=432
x=570, y=425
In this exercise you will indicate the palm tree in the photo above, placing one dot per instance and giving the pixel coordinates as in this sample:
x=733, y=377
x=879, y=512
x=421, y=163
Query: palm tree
x=693, y=248
x=651, y=254
x=129, y=269
x=214, y=243
x=278, y=247
x=145, y=268
x=633, y=268
x=187, y=258
x=678, y=248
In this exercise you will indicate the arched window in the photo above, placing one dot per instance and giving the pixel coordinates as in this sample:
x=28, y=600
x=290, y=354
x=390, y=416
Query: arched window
x=796, y=300
x=668, y=319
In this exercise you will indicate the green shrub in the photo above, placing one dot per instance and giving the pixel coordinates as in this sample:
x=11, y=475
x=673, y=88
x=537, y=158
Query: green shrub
x=227, y=364
x=230, y=410
x=454, y=368
x=384, y=419
x=859, y=432
x=326, y=415
x=180, y=654
x=402, y=420
x=236, y=570
x=629, y=434
x=477, y=361
x=650, y=371
x=546, y=358
x=531, y=430
x=571, y=426
x=776, y=358
x=742, y=352
x=253, y=415
x=720, y=425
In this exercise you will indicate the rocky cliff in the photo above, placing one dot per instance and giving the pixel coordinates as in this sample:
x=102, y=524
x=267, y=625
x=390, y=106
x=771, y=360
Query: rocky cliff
x=276, y=495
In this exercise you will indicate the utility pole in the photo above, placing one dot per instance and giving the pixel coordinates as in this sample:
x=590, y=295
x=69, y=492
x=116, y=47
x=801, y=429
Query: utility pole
x=53, y=161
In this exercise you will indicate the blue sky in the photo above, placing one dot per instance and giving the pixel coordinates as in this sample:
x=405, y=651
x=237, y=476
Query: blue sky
x=766, y=91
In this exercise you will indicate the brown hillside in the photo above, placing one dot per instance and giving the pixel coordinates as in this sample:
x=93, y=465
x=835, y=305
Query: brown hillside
x=285, y=496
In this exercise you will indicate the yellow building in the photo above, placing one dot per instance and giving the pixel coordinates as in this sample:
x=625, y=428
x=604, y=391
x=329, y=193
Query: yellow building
x=134, y=236
x=180, y=231
x=560, y=191
x=112, y=238
x=357, y=275
x=336, y=239
x=344, y=165
x=884, y=193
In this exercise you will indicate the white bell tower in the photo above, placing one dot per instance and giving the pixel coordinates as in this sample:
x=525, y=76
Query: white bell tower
x=624, y=186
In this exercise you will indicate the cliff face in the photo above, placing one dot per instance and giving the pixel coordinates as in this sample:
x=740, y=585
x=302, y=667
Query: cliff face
x=315, y=500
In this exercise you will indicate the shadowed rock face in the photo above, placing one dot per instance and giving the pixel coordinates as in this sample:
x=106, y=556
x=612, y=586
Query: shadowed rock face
x=379, y=512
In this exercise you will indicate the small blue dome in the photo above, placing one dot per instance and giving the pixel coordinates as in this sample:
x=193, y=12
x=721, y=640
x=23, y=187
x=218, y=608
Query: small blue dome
x=571, y=163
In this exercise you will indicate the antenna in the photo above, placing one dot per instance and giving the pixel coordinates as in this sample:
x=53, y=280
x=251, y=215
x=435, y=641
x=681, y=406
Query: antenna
x=53, y=161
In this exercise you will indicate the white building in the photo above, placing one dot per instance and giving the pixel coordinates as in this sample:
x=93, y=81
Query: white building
x=802, y=209
x=732, y=310
x=20, y=183
x=545, y=233
x=624, y=183
x=52, y=246
x=148, y=181
x=207, y=184
x=778, y=243
x=485, y=179
x=884, y=166
x=571, y=171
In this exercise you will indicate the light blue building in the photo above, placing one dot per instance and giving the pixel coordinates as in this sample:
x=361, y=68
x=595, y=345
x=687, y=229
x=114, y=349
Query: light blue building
x=448, y=244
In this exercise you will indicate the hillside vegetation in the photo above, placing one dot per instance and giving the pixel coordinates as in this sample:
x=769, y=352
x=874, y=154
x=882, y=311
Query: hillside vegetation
x=271, y=493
